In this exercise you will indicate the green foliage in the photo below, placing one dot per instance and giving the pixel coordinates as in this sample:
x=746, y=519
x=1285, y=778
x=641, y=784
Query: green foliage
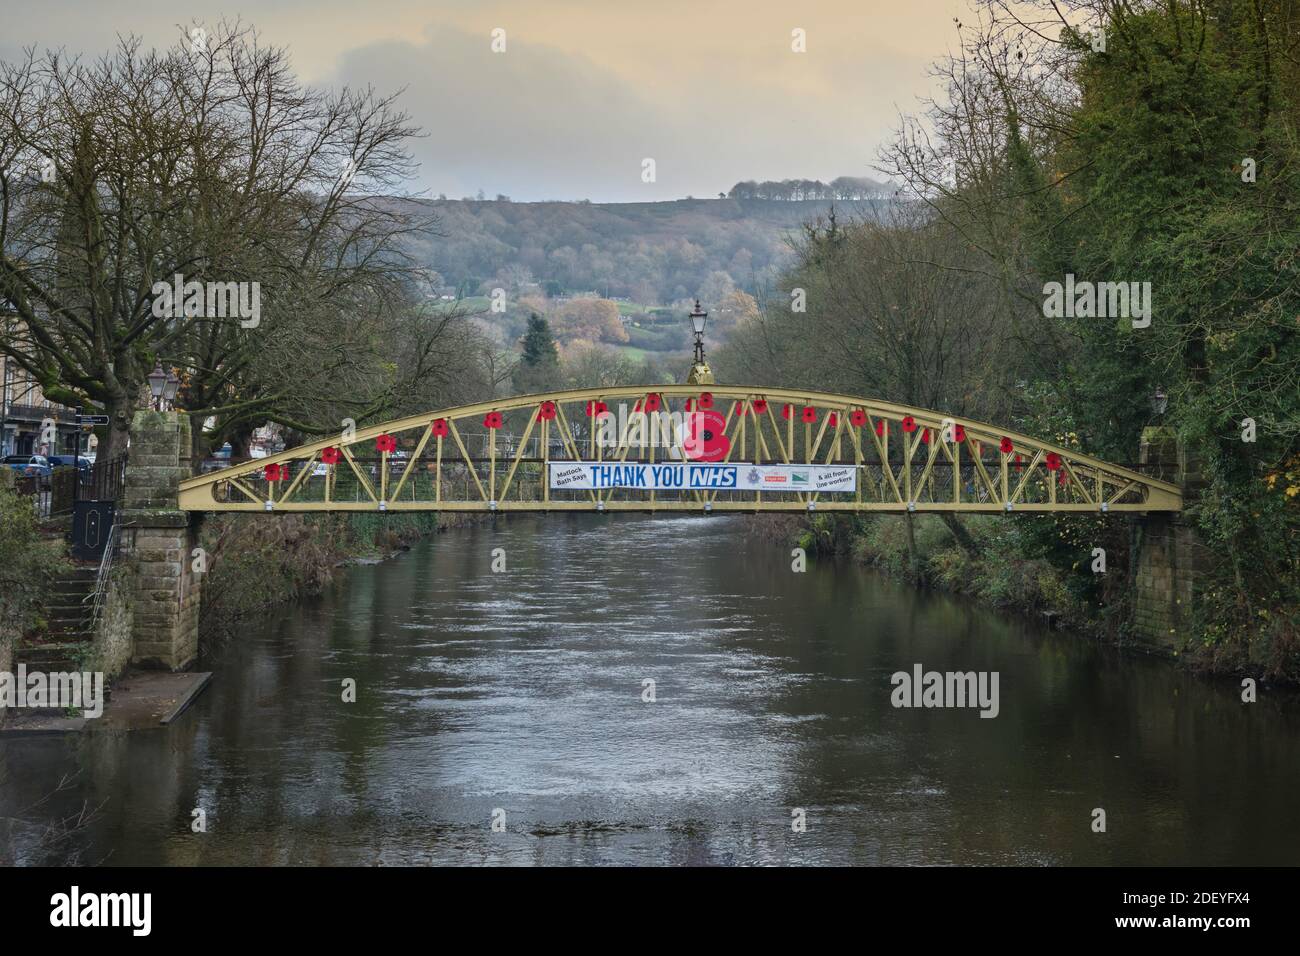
x=539, y=365
x=1130, y=164
x=1168, y=114
x=1000, y=574
x=821, y=535
x=26, y=561
x=539, y=345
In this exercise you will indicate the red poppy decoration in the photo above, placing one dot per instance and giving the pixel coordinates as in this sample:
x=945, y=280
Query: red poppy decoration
x=881, y=428
x=809, y=414
x=546, y=412
x=958, y=434
x=742, y=409
x=857, y=418
x=653, y=402
x=386, y=443
x=787, y=411
x=1019, y=464
x=925, y=436
x=440, y=428
x=706, y=437
x=706, y=400
x=274, y=472
x=1053, y=461
x=1061, y=477
x=330, y=456
x=833, y=420
x=492, y=420
x=909, y=424
x=760, y=406
x=1006, y=446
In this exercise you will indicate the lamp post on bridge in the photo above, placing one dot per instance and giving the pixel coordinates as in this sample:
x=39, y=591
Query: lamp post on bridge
x=700, y=374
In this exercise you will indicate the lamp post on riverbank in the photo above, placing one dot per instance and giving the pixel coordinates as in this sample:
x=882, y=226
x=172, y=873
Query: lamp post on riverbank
x=700, y=374
x=162, y=386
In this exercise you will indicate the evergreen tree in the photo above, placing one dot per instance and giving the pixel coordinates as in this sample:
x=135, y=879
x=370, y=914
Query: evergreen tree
x=539, y=367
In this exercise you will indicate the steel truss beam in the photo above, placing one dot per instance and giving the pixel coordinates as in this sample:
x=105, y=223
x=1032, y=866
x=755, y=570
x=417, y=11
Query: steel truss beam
x=906, y=459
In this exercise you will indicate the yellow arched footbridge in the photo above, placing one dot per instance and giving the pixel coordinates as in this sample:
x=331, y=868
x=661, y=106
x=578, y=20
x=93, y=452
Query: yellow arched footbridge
x=680, y=448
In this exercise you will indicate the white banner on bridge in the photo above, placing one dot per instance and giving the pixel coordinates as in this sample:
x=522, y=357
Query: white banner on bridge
x=689, y=476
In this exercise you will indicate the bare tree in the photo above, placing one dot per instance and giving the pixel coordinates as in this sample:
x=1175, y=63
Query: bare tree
x=211, y=162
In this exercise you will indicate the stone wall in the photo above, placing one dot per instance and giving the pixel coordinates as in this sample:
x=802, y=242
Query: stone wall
x=1170, y=555
x=157, y=541
x=112, y=649
x=1166, y=576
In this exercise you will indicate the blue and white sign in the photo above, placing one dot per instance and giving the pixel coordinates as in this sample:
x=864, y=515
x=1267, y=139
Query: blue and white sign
x=700, y=476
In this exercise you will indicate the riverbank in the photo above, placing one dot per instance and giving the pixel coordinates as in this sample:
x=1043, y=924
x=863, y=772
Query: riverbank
x=254, y=565
x=1039, y=567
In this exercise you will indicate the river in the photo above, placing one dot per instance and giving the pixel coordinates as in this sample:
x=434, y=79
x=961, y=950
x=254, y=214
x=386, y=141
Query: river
x=520, y=696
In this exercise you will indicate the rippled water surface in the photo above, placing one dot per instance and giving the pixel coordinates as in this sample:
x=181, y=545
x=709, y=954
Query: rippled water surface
x=523, y=692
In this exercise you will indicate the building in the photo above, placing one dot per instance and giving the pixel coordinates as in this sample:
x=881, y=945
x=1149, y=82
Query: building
x=24, y=412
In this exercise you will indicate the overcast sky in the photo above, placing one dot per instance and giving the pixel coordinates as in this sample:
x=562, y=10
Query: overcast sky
x=586, y=89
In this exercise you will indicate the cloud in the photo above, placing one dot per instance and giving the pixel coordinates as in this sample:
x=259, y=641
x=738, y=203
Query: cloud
x=534, y=122
x=586, y=90
x=539, y=122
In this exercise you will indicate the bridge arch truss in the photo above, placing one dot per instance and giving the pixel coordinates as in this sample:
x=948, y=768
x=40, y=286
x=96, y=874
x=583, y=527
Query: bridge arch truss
x=496, y=456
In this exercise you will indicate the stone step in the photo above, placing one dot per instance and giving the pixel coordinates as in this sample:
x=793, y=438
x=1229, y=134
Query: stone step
x=67, y=598
x=79, y=619
x=69, y=630
x=78, y=575
x=72, y=584
x=52, y=658
x=70, y=636
x=63, y=611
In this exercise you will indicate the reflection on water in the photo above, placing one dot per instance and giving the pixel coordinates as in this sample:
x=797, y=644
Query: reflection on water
x=523, y=691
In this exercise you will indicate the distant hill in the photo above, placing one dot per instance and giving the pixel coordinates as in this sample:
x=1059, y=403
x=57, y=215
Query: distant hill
x=650, y=253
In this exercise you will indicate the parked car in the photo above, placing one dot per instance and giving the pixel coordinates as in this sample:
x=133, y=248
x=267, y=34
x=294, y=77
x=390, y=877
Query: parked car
x=29, y=466
x=396, y=464
x=67, y=461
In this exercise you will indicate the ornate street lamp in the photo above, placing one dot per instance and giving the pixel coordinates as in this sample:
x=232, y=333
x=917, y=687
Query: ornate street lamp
x=170, y=386
x=162, y=386
x=157, y=382
x=701, y=374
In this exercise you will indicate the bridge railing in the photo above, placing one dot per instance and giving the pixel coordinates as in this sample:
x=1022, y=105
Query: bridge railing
x=500, y=456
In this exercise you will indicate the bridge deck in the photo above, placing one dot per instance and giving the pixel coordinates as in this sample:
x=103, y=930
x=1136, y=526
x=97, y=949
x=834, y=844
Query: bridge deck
x=681, y=448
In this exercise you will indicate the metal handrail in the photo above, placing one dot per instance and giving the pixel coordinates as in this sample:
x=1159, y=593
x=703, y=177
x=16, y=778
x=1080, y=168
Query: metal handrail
x=101, y=578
